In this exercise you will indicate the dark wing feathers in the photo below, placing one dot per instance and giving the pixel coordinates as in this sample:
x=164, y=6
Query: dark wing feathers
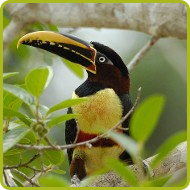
x=70, y=134
x=127, y=105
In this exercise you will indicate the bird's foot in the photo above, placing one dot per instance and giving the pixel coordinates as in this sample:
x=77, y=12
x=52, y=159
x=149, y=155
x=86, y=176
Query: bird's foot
x=147, y=169
x=75, y=181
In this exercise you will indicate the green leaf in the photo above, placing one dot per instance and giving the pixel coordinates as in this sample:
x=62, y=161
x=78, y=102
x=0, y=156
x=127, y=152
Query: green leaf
x=19, y=93
x=145, y=118
x=168, y=146
x=58, y=171
x=6, y=22
x=8, y=75
x=156, y=182
x=30, y=138
x=12, y=137
x=52, y=180
x=42, y=109
x=12, y=113
x=75, y=68
x=52, y=27
x=37, y=26
x=11, y=101
x=14, y=151
x=11, y=159
x=15, y=124
x=66, y=104
x=179, y=183
x=60, y=119
x=22, y=54
x=17, y=183
x=53, y=157
x=127, y=142
x=43, y=27
x=123, y=170
x=38, y=79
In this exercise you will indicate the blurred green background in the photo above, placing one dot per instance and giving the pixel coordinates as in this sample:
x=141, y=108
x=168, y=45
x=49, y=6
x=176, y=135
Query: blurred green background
x=162, y=71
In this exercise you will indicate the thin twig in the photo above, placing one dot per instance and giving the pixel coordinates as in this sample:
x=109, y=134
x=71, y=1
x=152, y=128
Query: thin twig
x=34, y=169
x=6, y=126
x=37, y=110
x=33, y=178
x=142, y=53
x=22, y=165
x=123, y=129
x=49, y=142
x=41, y=148
x=34, y=175
x=42, y=162
x=5, y=179
x=26, y=178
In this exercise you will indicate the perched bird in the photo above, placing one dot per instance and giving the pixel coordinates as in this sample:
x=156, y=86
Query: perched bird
x=107, y=88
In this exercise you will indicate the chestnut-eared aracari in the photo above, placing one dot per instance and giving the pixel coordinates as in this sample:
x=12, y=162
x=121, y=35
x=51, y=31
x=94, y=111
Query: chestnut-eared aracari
x=107, y=88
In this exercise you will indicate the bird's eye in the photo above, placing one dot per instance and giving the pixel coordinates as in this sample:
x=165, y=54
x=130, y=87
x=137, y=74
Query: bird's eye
x=102, y=59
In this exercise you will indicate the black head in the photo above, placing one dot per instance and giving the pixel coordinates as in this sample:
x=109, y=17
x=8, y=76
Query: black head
x=106, y=55
x=111, y=72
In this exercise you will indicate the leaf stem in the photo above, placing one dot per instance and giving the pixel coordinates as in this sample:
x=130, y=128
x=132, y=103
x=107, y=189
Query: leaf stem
x=37, y=109
x=6, y=126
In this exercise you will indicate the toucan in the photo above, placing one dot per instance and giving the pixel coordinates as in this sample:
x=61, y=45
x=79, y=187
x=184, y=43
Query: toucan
x=107, y=87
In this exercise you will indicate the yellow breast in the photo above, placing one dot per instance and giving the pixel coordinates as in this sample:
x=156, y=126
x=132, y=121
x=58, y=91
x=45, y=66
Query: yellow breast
x=95, y=157
x=100, y=113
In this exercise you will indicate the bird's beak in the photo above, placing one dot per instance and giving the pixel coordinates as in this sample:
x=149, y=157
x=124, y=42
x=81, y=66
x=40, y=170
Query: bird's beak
x=64, y=45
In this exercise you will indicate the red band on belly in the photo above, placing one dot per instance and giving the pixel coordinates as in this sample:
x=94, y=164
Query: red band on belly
x=103, y=142
x=82, y=136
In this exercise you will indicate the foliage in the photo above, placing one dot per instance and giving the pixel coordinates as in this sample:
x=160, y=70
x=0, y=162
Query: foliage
x=22, y=128
x=27, y=122
x=142, y=125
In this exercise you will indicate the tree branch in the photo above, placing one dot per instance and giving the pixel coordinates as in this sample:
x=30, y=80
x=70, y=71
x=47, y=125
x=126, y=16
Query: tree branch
x=138, y=57
x=156, y=19
x=8, y=179
x=174, y=162
x=26, y=178
x=5, y=179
